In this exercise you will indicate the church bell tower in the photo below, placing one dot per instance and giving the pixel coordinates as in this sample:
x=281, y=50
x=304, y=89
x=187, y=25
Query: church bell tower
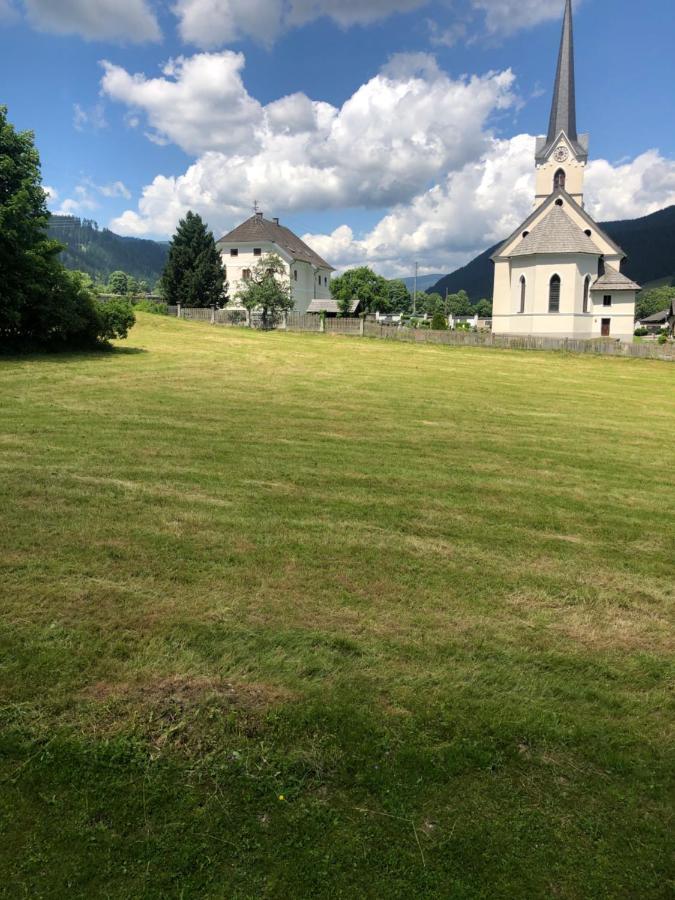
x=562, y=155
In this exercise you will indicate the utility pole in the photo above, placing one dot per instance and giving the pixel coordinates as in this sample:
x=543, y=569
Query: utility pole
x=417, y=266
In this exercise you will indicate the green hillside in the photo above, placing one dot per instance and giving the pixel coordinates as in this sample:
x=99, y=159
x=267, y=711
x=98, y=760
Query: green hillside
x=98, y=251
x=649, y=244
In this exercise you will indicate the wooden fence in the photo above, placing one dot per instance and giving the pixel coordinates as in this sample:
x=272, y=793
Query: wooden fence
x=313, y=323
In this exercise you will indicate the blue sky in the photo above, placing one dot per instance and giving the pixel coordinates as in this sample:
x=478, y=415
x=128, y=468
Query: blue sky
x=403, y=137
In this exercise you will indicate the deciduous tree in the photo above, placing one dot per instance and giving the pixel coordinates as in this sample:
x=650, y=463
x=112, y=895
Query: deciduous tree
x=268, y=290
x=118, y=283
x=362, y=283
x=41, y=303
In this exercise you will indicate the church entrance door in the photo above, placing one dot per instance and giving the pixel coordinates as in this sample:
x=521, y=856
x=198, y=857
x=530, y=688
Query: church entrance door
x=606, y=326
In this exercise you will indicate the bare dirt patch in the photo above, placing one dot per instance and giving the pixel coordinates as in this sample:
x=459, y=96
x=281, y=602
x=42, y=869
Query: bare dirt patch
x=187, y=691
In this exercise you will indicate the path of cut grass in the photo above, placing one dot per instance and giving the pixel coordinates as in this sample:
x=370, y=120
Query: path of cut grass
x=423, y=594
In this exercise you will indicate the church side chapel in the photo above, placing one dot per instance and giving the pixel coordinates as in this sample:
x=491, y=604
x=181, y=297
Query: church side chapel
x=559, y=275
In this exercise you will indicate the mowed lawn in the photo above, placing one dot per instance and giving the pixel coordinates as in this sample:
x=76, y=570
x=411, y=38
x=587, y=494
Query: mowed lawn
x=303, y=616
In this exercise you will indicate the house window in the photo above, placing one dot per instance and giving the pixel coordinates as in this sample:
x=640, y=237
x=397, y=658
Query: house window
x=523, y=293
x=246, y=274
x=234, y=253
x=295, y=274
x=607, y=300
x=325, y=281
x=257, y=251
x=554, y=295
x=587, y=292
x=559, y=180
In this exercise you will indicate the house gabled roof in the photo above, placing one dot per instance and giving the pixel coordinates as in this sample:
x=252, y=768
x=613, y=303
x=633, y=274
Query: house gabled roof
x=658, y=318
x=613, y=280
x=257, y=228
x=556, y=233
x=560, y=194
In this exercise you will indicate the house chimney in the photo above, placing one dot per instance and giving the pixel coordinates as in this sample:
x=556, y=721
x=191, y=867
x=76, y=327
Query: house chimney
x=259, y=216
x=276, y=221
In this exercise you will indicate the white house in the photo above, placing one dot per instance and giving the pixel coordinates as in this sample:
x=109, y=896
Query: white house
x=559, y=274
x=243, y=247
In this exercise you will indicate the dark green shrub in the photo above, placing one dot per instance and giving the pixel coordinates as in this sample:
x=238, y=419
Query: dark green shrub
x=641, y=331
x=116, y=319
x=439, y=322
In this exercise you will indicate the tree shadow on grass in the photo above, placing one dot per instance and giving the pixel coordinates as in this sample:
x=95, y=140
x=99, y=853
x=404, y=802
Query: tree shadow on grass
x=70, y=355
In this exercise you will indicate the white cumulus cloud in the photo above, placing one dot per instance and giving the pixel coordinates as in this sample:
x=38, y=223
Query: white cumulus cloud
x=387, y=142
x=411, y=142
x=505, y=17
x=122, y=20
x=474, y=208
x=212, y=23
x=199, y=103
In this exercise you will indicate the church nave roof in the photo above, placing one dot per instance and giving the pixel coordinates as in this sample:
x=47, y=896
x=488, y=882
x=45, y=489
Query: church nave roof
x=556, y=233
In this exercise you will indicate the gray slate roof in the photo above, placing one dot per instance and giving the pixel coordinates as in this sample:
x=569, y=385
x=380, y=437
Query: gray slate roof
x=658, y=318
x=549, y=204
x=556, y=233
x=257, y=228
x=613, y=280
x=331, y=306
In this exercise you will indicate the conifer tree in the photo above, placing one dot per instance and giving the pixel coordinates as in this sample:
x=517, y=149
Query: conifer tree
x=193, y=275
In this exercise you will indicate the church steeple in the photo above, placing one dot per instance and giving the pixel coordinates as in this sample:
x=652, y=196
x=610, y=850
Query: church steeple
x=564, y=108
x=562, y=155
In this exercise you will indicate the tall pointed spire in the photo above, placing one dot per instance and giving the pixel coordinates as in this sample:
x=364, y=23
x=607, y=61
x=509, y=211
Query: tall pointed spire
x=564, y=109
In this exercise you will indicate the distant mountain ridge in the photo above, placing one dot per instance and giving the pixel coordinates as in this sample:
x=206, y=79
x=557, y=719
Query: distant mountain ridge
x=423, y=282
x=649, y=243
x=99, y=252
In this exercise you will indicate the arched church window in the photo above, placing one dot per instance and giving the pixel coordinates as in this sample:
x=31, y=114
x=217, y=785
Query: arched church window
x=523, y=293
x=559, y=180
x=246, y=275
x=554, y=294
x=587, y=292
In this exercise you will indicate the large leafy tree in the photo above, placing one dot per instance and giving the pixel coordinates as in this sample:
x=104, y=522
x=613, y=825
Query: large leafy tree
x=40, y=302
x=653, y=301
x=268, y=290
x=430, y=303
x=362, y=283
x=399, y=296
x=459, y=304
x=483, y=308
x=118, y=283
x=194, y=274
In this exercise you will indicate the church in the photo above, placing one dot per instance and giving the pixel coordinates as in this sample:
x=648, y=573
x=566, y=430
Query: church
x=559, y=275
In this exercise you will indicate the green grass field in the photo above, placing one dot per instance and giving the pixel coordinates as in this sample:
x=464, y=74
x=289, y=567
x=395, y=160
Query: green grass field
x=296, y=616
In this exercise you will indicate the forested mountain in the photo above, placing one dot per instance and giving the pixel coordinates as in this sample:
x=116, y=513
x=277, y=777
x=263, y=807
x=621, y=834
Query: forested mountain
x=649, y=244
x=98, y=251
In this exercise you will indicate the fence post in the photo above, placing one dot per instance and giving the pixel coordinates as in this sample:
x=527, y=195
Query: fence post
x=322, y=323
x=178, y=311
x=284, y=321
x=362, y=326
x=213, y=314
